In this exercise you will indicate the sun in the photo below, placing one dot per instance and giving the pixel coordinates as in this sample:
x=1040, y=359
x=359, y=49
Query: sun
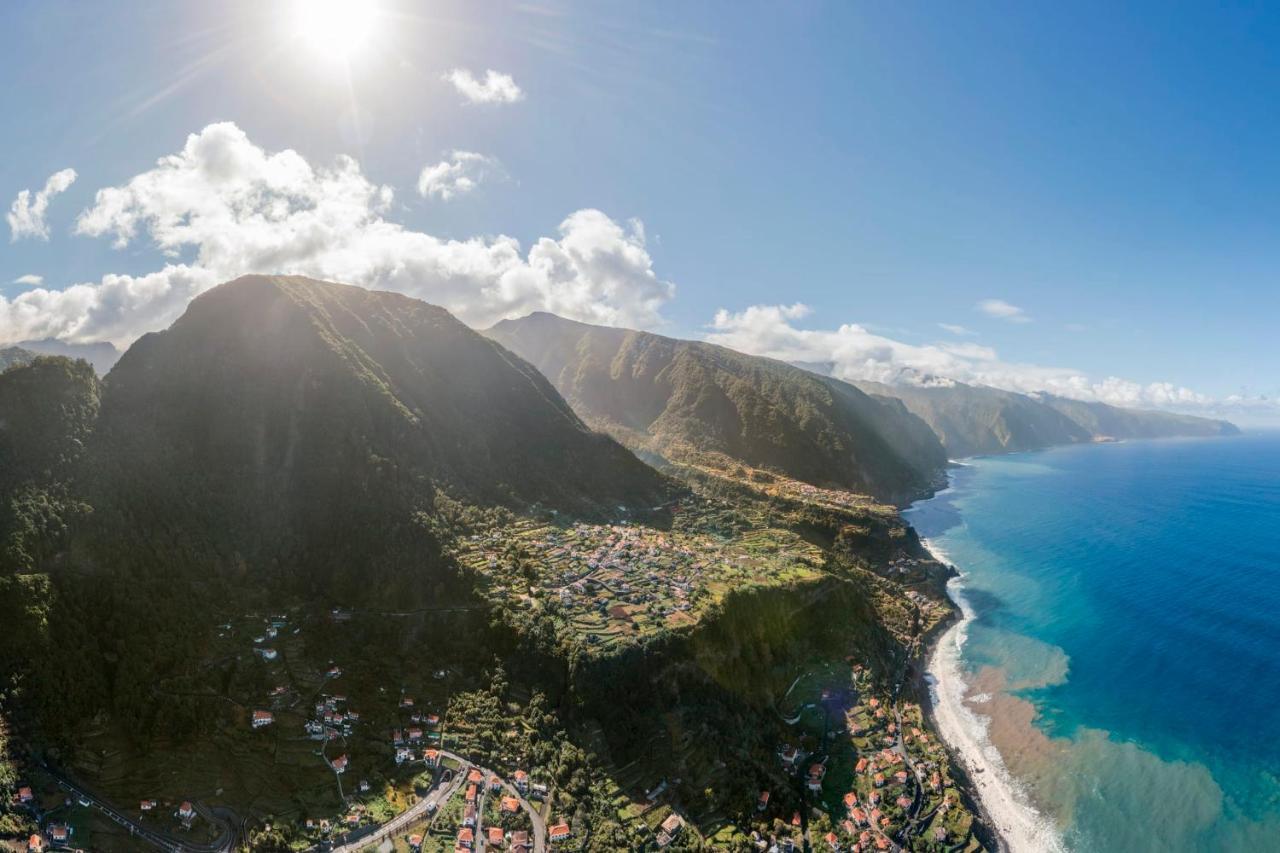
x=335, y=28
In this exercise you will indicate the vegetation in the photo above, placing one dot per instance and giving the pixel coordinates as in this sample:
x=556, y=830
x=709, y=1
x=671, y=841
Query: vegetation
x=680, y=399
x=396, y=507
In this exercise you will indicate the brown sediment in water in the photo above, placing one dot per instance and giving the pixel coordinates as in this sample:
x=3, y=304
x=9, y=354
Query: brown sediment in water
x=1030, y=755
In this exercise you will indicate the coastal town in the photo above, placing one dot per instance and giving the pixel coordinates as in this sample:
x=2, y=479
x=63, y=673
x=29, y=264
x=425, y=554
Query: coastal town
x=425, y=759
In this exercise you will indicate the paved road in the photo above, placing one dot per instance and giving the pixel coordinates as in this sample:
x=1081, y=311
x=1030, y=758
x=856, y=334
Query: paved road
x=440, y=795
x=225, y=842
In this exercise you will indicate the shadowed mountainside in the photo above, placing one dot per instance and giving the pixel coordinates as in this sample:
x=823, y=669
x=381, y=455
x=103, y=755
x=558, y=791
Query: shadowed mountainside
x=677, y=399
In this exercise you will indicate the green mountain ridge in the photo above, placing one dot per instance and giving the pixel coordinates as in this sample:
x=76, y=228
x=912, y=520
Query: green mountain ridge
x=675, y=399
x=976, y=420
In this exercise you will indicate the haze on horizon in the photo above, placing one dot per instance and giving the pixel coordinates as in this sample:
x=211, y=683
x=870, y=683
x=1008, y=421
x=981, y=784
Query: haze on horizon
x=1014, y=197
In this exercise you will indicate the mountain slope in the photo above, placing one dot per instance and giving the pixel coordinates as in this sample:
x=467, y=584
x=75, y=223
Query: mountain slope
x=1106, y=421
x=281, y=404
x=102, y=355
x=11, y=356
x=973, y=420
x=679, y=398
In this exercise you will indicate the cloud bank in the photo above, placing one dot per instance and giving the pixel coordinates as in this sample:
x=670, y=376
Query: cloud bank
x=495, y=88
x=223, y=206
x=26, y=215
x=855, y=353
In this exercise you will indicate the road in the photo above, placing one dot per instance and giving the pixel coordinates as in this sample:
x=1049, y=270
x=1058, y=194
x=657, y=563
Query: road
x=225, y=842
x=440, y=795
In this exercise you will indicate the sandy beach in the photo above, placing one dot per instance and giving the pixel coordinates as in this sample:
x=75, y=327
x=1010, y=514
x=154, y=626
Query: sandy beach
x=1022, y=829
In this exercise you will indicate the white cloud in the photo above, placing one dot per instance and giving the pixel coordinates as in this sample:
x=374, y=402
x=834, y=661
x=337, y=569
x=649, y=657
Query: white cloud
x=30, y=280
x=27, y=213
x=458, y=174
x=856, y=353
x=956, y=330
x=1002, y=310
x=495, y=88
x=223, y=207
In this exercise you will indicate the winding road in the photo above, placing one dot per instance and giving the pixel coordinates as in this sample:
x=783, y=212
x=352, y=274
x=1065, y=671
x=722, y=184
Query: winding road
x=440, y=795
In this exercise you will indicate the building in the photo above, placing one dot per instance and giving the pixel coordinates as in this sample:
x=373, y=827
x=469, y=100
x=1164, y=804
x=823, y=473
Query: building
x=35, y=844
x=59, y=834
x=559, y=832
x=262, y=718
x=466, y=838
x=510, y=805
x=339, y=764
x=763, y=802
x=521, y=781
x=186, y=811
x=496, y=836
x=267, y=654
x=432, y=757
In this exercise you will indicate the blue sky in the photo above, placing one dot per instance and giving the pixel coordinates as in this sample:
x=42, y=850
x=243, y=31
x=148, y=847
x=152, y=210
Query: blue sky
x=1109, y=171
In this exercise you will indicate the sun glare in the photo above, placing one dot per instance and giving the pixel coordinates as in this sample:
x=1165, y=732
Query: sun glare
x=335, y=28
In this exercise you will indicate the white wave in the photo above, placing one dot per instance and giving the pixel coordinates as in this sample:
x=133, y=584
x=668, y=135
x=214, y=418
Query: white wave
x=1020, y=825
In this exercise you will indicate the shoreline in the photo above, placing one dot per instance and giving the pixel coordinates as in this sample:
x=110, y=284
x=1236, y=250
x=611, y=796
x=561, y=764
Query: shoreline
x=1002, y=800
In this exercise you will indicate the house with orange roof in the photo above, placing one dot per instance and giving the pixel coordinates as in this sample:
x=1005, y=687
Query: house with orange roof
x=35, y=844
x=466, y=838
x=59, y=834
x=25, y=795
x=559, y=832
x=471, y=793
x=763, y=802
x=862, y=765
x=186, y=811
x=521, y=781
x=262, y=718
x=850, y=800
x=475, y=777
x=339, y=764
x=496, y=836
x=833, y=841
x=510, y=805
x=431, y=756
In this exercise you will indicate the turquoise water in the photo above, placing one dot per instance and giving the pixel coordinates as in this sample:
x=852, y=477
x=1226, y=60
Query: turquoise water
x=1131, y=594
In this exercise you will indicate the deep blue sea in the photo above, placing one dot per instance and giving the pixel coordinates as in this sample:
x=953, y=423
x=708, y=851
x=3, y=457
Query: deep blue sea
x=1125, y=644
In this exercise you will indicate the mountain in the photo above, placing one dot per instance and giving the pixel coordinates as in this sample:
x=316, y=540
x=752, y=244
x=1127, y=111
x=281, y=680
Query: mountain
x=1106, y=421
x=277, y=409
x=101, y=354
x=973, y=420
x=677, y=399
x=10, y=356
x=47, y=410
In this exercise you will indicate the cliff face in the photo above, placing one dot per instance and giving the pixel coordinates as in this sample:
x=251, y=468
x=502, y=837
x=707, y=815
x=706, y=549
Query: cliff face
x=678, y=399
x=972, y=420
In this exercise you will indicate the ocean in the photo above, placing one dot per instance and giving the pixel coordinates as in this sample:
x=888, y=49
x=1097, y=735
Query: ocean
x=1118, y=675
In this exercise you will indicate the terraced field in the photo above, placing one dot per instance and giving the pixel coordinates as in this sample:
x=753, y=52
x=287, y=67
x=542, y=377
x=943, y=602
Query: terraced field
x=613, y=584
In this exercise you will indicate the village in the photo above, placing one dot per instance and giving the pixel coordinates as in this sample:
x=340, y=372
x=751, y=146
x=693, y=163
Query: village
x=611, y=584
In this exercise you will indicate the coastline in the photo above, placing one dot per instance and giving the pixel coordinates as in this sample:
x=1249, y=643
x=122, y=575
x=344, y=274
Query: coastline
x=1001, y=799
